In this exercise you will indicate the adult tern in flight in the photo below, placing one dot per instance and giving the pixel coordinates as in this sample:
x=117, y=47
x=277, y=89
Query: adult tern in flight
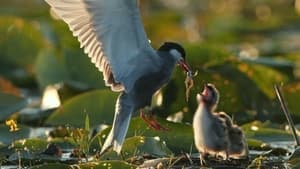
x=112, y=34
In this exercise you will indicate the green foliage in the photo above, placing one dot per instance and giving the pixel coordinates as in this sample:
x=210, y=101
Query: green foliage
x=8, y=137
x=243, y=47
x=46, y=74
x=178, y=133
x=138, y=146
x=34, y=145
x=98, y=105
x=10, y=104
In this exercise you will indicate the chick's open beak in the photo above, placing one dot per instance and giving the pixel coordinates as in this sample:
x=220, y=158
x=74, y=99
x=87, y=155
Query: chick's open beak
x=205, y=92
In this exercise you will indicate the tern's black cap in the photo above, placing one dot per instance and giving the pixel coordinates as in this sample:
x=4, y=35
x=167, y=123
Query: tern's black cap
x=167, y=46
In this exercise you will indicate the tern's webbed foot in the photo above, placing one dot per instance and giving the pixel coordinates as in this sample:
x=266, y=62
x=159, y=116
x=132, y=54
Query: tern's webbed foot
x=152, y=122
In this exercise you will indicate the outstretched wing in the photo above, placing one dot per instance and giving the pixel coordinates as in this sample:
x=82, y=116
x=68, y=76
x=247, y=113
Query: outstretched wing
x=111, y=33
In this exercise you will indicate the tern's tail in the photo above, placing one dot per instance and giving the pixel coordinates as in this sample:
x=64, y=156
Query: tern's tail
x=120, y=125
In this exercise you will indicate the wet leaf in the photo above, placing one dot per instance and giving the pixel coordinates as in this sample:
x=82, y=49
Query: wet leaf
x=105, y=165
x=258, y=145
x=259, y=131
x=7, y=137
x=10, y=104
x=263, y=77
x=33, y=145
x=178, y=133
x=20, y=43
x=80, y=69
x=52, y=166
x=139, y=146
x=50, y=68
x=291, y=94
x=98, y=104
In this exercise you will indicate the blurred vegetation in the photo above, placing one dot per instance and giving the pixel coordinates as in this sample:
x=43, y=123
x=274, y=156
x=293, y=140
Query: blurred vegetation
x=243, y=47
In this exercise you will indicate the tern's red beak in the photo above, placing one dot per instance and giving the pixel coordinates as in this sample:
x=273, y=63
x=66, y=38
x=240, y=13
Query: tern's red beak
x=185, y=66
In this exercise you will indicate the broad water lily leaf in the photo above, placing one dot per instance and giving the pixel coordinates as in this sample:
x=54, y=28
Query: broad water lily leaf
x=10, y=104
x=105, y=165
x=80, y=69
x=98, y=104
x=52, y=166
x=33, y=145
x=254, y=144
x=20, y=44
x=258, y=131
x=7, y=136
x=199, y=55
x=263, y=77
x=66, y=143
x=177, y=133
x=33, y=116
x=138, y=146
x=50, y=68
x=267, y=61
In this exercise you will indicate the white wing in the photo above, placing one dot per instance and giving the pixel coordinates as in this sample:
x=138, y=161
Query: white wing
x=112, y=35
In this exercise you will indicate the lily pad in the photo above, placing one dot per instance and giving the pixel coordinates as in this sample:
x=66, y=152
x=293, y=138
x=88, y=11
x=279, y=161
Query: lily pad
x=33, y=145
x=52, y=166
x=50, y=68
x=258, y=131
x=10, y=104
x=20, y=44
x=177, y=133
x=254, y=144
x=105, y=165
x=7, y=136
x=80, y=69
x=98, y=104
x=139, y=146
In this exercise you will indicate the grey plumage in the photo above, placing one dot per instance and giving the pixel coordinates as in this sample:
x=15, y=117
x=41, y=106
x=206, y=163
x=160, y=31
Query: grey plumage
x=112, y=35
x=210, y=132
x=214, y=132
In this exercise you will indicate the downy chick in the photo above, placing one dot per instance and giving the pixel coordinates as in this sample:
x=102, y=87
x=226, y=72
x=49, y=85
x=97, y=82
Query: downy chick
x=210, y=131
x=237, y=145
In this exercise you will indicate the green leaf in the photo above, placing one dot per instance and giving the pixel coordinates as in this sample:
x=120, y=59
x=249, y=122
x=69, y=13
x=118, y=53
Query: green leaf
x=139, y=146
x=263, y=77
x=33, y=145
x=87, y=123
x=10, y=104
x=52, y=166
x=7, y=137
x=259, y=131
x=291, y=94
x=105, y=165
x=99, y=105
x=20, y=43
x=80, y=68
x=254, y=144
x=267, y=61
x=178, y=133
x=50, y=68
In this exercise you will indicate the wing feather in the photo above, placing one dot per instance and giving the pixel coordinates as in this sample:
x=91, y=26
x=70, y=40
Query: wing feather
x=111, y=33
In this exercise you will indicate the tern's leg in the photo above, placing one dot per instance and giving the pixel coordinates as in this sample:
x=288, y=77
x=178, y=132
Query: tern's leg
x=120, y=125
x=152, y=122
